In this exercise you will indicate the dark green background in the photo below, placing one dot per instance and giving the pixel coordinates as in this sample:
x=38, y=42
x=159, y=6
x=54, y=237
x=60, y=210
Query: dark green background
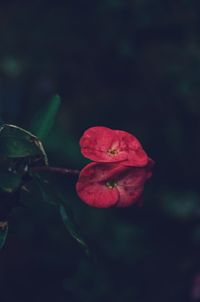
x=130, y=65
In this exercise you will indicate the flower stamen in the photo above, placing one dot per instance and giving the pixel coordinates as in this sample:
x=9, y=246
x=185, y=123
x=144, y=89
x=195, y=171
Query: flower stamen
x=112, y=152
x=111, y=184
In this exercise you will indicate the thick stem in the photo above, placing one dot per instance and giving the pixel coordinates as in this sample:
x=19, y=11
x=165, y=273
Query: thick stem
x=55, y=170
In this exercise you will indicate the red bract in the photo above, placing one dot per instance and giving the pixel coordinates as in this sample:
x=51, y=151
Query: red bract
x=105, y=185
x=102, y=144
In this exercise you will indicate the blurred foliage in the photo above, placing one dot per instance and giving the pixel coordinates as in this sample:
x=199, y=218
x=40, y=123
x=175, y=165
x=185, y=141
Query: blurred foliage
x=43, y=124
x=131, y=65
x=3, y=233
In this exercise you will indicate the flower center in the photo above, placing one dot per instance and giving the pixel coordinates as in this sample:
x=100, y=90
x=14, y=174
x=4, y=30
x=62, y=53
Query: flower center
x=111, y=184
x=112, y=152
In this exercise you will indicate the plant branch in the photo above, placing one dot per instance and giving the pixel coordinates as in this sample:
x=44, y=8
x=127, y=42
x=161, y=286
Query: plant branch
x=55, y=170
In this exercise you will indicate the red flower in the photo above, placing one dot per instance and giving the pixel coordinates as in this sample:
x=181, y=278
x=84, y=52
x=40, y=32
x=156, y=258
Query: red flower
x=104, y=185
x=103, y=144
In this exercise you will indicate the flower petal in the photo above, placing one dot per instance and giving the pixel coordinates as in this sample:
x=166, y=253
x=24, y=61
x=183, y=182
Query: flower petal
x=96, y=143
x=131, y=185
x=104, y=185
x=103, y=144
x=136, y=156
x=98, y=196
x=129, y=196
x=91, y=186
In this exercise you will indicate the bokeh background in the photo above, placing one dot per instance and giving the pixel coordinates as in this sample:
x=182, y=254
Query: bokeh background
x=132, y=65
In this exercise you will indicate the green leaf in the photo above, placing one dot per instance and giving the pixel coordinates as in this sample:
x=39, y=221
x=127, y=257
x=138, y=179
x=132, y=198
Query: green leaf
x=9, y=201
x=71, y=226
x=16, y=142
x=3, y=233
x=53, y=197
x=9, y=181
x=45, y=120
x=43, y=188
